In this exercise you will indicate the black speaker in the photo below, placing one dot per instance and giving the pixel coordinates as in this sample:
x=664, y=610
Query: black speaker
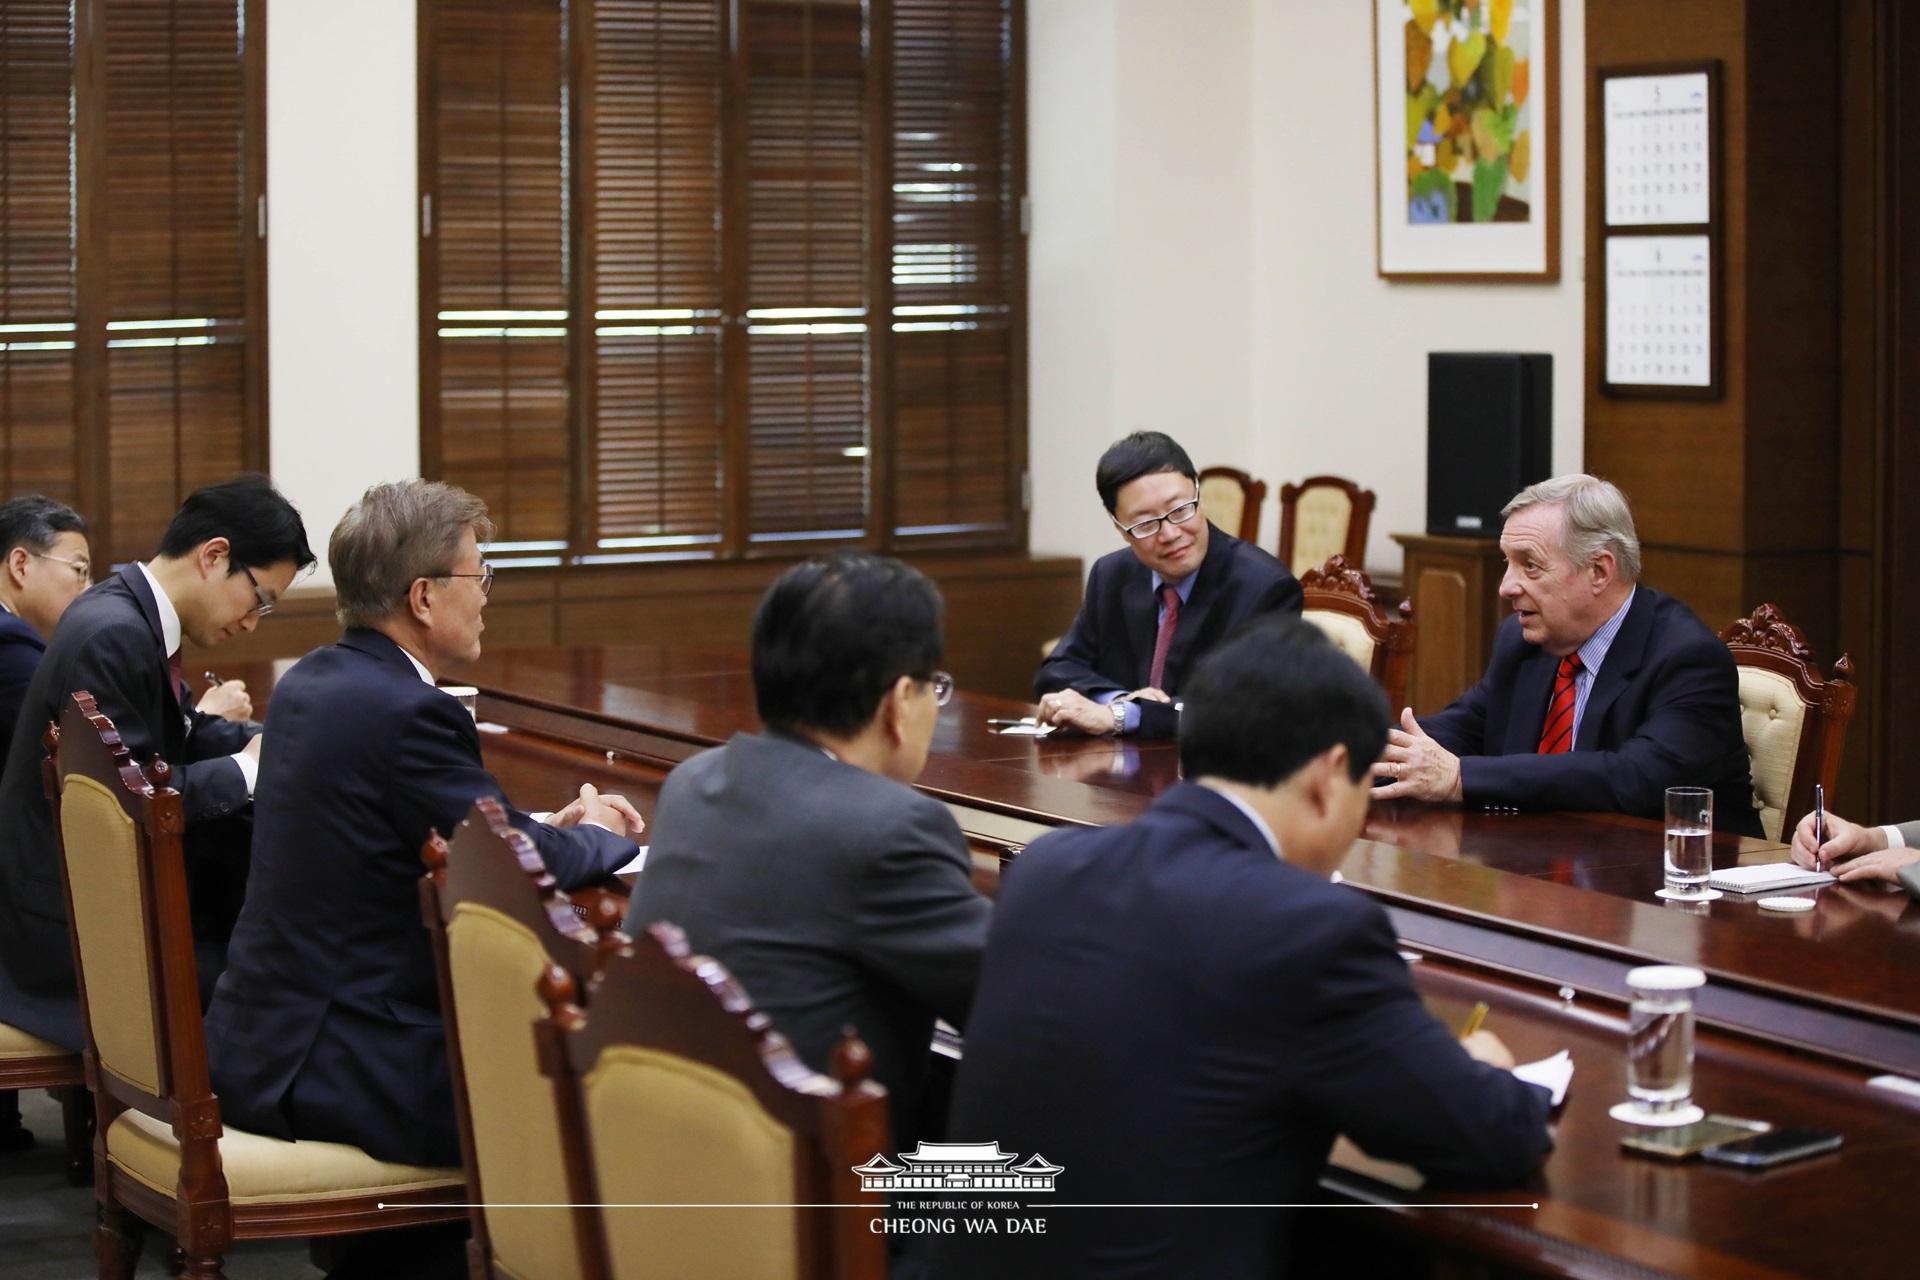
x=1489, y=435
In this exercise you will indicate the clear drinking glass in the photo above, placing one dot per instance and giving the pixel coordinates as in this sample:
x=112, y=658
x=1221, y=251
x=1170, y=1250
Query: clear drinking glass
x=469, y=697
x=1689, y=856
x=1660, y=1045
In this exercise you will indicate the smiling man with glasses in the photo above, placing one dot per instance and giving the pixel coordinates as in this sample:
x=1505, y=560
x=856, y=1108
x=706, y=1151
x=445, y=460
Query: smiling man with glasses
x=1178, y=588
x=327, y=1022
x=228, y=554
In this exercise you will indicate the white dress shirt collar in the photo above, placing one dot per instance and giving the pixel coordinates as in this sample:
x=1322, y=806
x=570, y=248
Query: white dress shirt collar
x=1259, y=823
x=169, y=616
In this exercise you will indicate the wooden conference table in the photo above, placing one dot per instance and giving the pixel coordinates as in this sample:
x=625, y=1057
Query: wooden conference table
x=1540, y=915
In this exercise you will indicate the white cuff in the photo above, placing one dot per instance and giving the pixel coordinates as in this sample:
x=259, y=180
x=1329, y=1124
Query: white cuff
x=1895, y=840
x=249, y=768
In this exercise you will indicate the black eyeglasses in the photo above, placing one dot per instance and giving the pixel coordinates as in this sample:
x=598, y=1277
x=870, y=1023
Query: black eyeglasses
x=263, y=603
x=942, y=687
x=1141, y=530
x=485, y=575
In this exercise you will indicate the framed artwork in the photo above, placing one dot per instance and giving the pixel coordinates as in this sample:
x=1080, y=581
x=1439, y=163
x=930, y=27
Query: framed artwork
x=1467, y=119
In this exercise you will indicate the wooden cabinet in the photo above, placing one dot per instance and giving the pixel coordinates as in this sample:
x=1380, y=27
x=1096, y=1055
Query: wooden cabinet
x=1455, y=586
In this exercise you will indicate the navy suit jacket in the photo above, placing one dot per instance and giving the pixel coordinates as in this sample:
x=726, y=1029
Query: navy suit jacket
x=1109, y=647
x=1177, y=1017
x=1664, y=712
x=326, y=1023
x=20, y=650
x=109, y=644
x=835, y=896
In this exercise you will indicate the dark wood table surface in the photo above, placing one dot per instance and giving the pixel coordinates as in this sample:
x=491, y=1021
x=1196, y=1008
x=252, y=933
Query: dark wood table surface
x=1540, y=915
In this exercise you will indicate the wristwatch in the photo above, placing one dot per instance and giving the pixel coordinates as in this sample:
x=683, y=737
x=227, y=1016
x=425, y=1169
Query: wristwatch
x=1119, y=708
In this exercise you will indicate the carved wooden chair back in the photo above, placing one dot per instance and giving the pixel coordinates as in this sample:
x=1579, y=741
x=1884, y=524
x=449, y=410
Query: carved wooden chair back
x=498, y=920
x=1232, y=499
x=1340, y=600
x=1794, y=721
x=686, y=1095
x=160, y=1151
x=1323, y=516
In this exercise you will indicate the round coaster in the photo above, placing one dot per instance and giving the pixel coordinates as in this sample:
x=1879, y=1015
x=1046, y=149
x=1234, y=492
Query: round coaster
x=1630, y=1113
x=1711, y=895
x=1789, y=905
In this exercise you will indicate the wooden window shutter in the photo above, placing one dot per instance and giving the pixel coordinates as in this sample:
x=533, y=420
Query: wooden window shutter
x=37, y=289
x=172, y=282
x=495, y=264
x=957, y=452
x=651, y=179
x=807, y=286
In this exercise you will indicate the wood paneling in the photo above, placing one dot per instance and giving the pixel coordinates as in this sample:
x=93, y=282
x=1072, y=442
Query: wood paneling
x=999, y=609
x=1455, y=587
x=1770, y=493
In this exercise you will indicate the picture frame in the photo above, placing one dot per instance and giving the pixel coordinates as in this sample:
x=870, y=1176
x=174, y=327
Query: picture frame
x=1467, y=140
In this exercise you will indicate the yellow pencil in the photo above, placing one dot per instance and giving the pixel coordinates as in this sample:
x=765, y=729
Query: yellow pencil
x=1474, y=1019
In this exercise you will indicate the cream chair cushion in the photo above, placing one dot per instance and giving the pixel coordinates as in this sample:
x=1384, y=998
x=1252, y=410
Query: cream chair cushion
x=1348, y=633
x=1224, y=502
x=1772, y=718
x=666, y=1130
x=263, y=1170
x=103, y=864
x=1320, y=518
x=15, y=1043
x=496, y=961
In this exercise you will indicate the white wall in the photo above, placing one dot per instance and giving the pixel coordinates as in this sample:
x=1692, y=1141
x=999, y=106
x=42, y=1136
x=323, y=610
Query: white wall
x=342, y=274
x=1139, y=153
x=1340, y=363
x=1231, y=235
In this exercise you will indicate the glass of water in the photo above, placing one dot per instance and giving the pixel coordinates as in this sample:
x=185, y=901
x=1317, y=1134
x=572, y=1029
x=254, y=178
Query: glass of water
x=466, y=695
x=1689, y=858
x=1660, y=1045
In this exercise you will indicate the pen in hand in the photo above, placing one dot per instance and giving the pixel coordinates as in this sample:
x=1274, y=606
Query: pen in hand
x=1819, y=826
x=1474, y=1019
x=211, y=678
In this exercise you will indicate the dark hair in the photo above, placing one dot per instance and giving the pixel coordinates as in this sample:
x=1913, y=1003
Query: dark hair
x=34, y=522
x=832, y=635
x=1143, y=453
x=1274, y=697
x=262, y=527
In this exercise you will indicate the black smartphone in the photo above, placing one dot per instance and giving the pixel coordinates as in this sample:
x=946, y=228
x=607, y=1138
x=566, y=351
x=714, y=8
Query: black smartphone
x=1775, y=1147
x=1691, y=1139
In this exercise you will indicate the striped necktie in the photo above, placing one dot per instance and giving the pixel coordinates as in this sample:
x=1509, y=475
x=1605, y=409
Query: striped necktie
x=1556, y=735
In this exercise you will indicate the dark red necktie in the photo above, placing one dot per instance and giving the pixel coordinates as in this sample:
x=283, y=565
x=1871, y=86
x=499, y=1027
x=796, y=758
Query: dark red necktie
x=1169, y=619
x=1557, y=734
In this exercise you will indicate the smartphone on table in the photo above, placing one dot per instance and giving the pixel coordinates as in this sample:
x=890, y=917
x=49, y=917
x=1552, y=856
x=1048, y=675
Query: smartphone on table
x=1774, y=1147
x=1691, y=1139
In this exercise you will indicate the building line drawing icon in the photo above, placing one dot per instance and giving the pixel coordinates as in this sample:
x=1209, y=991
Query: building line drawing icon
x=958, y=1166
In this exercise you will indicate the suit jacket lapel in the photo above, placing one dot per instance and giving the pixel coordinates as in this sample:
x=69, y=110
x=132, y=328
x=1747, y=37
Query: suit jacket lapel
x=1532, y=688
x=1624, y=656
x=142, y=593
x=1209, y=583
x=1139, y=608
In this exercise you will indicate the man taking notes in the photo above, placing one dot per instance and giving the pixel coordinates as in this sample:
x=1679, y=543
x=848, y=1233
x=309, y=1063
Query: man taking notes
x=1601, y=693
x=1184, y=1011
x=1153, y=609
x=1854, y=852
x=327, y=1021
x=225, y=559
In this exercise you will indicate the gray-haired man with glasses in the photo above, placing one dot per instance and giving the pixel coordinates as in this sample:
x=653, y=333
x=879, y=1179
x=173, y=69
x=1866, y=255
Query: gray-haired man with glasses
x=1179, y=588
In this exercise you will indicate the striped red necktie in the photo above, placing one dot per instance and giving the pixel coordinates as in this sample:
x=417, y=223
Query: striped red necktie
x=1557, y=735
